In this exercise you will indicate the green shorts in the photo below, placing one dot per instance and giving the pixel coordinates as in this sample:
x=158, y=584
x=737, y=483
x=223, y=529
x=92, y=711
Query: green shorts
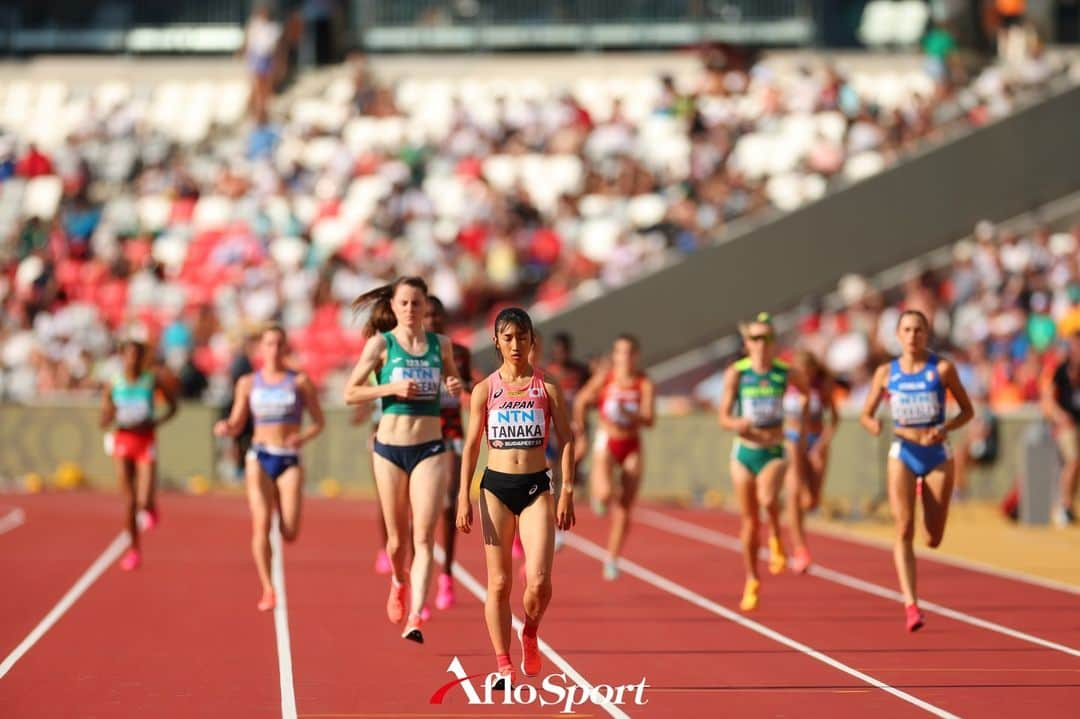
x=755, y=458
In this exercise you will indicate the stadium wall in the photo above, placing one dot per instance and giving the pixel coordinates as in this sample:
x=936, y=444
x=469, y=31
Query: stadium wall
x=687, y=456
x=927, y=202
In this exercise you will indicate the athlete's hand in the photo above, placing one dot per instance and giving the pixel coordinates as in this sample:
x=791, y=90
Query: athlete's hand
x=581, y=446
x=293, y=440
x=454, y=386
x=406, y=388
x=564, y=513
x=743, y=425
x=464, y=515
x=934, y=435
x=873, y=426
x=221, y=428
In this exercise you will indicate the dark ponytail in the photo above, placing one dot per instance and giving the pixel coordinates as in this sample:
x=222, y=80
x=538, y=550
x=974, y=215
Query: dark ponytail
x=382, y=318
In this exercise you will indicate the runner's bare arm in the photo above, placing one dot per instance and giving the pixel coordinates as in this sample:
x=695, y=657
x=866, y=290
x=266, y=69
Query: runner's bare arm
x=877, y=390
x=314, y=409
x=470, y=453
x=238, y=416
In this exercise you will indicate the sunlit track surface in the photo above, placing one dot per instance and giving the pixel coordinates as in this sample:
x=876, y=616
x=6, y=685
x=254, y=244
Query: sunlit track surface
x=181, y=636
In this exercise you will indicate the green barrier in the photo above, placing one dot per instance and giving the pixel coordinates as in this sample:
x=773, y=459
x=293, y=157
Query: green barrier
x=687, y=457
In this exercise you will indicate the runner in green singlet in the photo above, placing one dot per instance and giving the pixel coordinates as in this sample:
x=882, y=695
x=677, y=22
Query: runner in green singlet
x=752, y=406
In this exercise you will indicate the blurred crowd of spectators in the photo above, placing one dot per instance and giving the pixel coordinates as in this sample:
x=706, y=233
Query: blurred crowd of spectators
x=998, y=309
x=166, y=215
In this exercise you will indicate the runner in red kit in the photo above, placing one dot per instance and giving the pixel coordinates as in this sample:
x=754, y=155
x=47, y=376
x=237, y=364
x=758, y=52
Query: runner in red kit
x=626, y=398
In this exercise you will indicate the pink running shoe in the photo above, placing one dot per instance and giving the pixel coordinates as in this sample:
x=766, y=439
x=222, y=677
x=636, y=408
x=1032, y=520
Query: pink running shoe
x=801, y=561
x=395, y=604
x=914, y=618
x=425, y=613
x=444, y=597
x=268, y=601
x=150, y=518
x=382, y=562
x=131, y=559
x=518, y=551
x=531, y=663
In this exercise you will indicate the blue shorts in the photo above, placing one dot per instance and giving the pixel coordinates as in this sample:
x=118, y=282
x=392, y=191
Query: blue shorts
x=274, y=460
x=920, y=459
x=407, y=456
x=811, y=437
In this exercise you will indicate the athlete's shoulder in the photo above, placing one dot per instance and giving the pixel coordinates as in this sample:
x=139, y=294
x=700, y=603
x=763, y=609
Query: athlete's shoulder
x=742, y=364
x=781, y=364
x=481, y=388
x=944, y=365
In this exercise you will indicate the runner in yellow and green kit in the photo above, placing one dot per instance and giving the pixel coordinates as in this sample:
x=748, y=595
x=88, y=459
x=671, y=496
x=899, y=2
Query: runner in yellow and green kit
x=752, y=405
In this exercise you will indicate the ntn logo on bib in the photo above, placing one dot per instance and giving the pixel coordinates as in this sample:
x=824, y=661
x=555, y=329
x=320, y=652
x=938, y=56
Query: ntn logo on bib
x=428, y=378
x=516, y=428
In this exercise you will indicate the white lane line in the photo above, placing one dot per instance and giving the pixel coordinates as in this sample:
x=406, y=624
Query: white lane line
x=937, y=556
x=664, y=584
x=661, y=521
x=110, y=555
x=281, y=625
x=477, y=590
x=12, y=519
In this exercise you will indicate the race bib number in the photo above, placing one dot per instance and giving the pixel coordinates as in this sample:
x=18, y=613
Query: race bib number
x=516, y=428
x=271, y=402
x=914, y=407
x=619, y=412
x=763, y=411
x=428, y=380
x=130, y=414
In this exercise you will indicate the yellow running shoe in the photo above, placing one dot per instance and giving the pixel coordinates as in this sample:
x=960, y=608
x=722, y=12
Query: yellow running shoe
x=777, y=558
x=750, y=595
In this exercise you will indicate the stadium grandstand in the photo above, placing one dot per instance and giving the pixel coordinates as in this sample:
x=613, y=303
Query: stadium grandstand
x=182, y=176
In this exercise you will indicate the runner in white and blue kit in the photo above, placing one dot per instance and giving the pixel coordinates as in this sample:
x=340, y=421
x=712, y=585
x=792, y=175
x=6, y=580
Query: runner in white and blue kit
x=916, y=384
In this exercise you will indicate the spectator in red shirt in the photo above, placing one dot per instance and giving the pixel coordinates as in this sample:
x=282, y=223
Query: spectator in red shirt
x=34, y=163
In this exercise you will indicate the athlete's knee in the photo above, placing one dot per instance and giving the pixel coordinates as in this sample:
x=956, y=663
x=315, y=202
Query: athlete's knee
x=498, y=585
x=423, y=544
x=290, y=533
x=539, y=588
x=394, y=545
x=260, y=526
x=905, y=528
x=751, y=524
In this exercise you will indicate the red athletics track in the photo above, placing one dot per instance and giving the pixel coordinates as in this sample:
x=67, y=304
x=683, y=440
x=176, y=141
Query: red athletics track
x=180, y=637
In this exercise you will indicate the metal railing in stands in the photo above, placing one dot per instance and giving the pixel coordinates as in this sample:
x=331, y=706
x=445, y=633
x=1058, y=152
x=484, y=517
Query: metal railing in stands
x=109, y=25
x=413, y=25
x=502, y=24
